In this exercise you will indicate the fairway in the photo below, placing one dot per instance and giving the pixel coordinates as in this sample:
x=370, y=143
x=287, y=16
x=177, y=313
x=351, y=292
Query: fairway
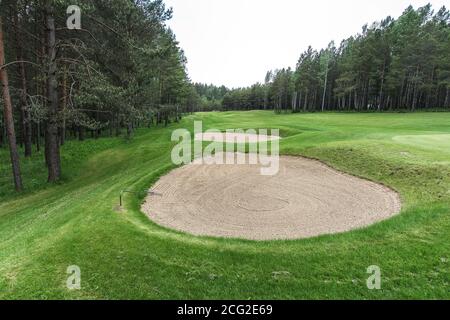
x=124, y=255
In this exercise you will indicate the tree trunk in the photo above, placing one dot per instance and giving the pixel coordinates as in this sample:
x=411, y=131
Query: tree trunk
x=129, y=130
x=415, y=90
x=380, y=94
x=111, y=125
x=64, y=107
x=25, y=114
x=305, y=105
x=2, y=136
x=81, y=133
x=294, y=101
x=9, y=121
x=38, y=137
x=447, y=98
x=325, y=88
x=54, y=161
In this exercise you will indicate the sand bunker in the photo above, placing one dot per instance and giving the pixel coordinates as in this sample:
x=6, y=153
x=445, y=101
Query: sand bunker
x=235, y=137
x=306, y=198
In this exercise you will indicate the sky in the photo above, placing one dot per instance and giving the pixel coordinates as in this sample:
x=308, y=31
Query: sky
x=235, y=42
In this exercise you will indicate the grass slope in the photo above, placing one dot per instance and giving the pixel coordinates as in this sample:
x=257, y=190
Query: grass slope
x=124, y=255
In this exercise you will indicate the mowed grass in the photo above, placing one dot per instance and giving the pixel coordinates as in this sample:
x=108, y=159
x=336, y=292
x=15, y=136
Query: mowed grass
x=123, y=255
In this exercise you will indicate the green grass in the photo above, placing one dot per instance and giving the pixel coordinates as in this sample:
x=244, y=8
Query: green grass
x=123, y=255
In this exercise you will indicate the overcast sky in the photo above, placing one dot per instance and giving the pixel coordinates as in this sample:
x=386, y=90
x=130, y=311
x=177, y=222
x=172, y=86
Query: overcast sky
x=234, y=42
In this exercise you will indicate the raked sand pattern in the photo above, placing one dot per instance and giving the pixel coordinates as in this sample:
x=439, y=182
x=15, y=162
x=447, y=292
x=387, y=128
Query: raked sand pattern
x=305, y=199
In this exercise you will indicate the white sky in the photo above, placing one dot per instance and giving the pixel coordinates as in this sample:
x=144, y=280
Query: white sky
x=234, y=42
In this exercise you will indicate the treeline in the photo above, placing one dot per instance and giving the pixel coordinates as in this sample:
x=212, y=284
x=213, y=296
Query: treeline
x=123, y=69
x=401, y=64
x=211, y=96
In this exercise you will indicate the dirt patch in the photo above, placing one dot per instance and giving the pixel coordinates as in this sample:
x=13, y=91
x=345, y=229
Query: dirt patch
x=305, y=199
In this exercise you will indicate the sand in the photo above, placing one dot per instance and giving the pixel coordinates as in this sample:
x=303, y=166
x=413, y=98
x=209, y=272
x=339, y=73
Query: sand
x=305, y=199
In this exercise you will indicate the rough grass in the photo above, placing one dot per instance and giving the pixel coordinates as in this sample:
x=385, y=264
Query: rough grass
x=123, y=255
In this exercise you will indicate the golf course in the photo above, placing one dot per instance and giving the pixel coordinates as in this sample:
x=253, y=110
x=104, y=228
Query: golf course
x=122, y=254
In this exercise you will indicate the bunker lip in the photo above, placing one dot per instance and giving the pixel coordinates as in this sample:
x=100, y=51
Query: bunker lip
x=235, y=137
x=305, y=199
